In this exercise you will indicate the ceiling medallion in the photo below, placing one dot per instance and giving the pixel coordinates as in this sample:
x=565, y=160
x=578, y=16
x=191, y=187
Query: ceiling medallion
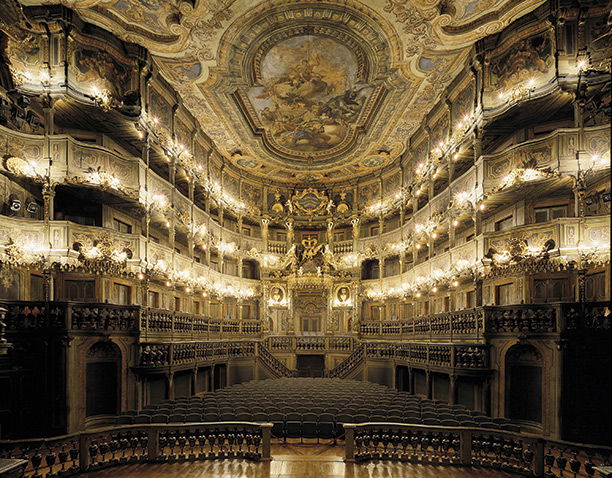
x=313, y=83
x=311, y=97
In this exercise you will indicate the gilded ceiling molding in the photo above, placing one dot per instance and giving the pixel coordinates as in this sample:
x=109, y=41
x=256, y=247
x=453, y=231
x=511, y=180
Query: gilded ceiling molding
x=307, y=92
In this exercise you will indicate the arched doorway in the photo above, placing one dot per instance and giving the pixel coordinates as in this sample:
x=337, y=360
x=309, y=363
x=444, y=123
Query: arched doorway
x=102, y=384
x=524, y=383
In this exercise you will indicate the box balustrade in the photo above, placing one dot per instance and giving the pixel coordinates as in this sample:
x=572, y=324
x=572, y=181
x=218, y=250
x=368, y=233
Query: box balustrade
x=150, y=443
x=94, y=317
x=482, y=322
x=522, y=453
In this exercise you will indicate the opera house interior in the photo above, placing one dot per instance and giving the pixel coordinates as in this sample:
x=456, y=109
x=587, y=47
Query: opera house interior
x=305, y=238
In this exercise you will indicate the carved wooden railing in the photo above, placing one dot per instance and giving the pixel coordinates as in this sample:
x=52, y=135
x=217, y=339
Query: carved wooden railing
x=162, y=322
x=275, y=366
x=528, y=455
x=457, y=324
x=349, y=365
x=87, y=451
x=343, y=247
x=480, y=322
x=277, y=247
x=451, y=356
x=168, y=354
x=149, y=322
x=84, y=316
x=302, y=344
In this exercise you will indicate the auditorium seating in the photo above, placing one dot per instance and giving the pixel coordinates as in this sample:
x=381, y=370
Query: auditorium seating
x=312, y=408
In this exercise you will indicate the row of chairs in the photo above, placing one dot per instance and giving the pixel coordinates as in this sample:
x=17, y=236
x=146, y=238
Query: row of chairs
x=292, y=401
x=281, y=420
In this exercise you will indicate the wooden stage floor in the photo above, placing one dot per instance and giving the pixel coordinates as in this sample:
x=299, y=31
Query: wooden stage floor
x=294, y=461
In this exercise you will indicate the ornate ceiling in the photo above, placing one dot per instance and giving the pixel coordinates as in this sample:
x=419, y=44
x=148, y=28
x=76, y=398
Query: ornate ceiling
x=317, y=91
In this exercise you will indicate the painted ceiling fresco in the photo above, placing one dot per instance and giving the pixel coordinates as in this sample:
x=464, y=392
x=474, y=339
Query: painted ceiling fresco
x=313, y=90
x=309, y=98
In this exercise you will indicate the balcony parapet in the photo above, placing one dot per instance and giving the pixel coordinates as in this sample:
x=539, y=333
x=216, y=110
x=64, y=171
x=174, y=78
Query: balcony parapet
x=312, y=344
x=166, y=323
x=458, y=325
x=446, y=356
x=23, y=316
x=98, y=449
x=572, y=236
x=171, y=354
x=554, y=152
x=481, y=322
x=148, y=323
x=484, y=446
x=63, y=235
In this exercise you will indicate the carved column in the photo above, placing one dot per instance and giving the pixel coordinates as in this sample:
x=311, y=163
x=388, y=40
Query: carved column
x=355, y=224
x=240, y=222
x=452, y=391
x=144, y=288
x=221, y=215
x=477, y=143
x=48, y=193
x=431, y=189
x=582, y=284
x=292, y=320
x=410, y=381
x=330, y=231
x=479, y=301
x=330, y=311
x=207, y=254
x=486, y=395
x=265, y=222
x=477, y=218
x=290, y=232
x=579, y=190
x=239, y=267
x=48, y=291
x=194, y=380
x=451, y=234
x=170, y=385
x=49, y=115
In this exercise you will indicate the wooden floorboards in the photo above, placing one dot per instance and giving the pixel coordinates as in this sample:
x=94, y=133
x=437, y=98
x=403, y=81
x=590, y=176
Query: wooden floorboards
x=294, y=461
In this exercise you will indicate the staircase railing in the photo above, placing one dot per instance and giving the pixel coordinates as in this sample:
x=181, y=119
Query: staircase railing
x=274, y=365
x=349, y=364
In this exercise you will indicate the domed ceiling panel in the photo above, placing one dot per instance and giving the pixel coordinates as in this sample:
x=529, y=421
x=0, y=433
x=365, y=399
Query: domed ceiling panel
x=309, y=97
x=306, y=91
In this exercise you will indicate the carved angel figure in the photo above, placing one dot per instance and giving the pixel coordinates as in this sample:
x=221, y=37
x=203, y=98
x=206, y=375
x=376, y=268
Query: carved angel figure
x=289, y=206
x=291, y=259
x=328, y=257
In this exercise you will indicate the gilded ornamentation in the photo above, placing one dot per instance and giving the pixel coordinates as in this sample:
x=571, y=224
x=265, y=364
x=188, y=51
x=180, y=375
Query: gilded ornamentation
x=305, y=112
x=310, y=202
x=523, y=61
